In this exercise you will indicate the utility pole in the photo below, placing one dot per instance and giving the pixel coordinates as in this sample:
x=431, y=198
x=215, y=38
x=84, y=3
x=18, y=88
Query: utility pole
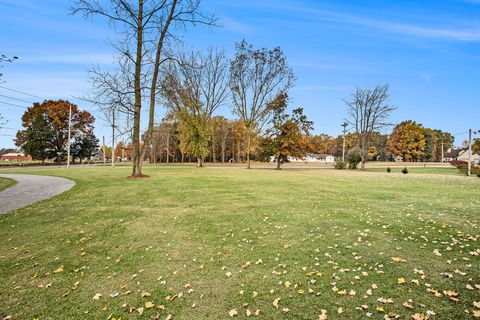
x=69, y=134
x=123, y=150
x=469, y=173
x=113, y=138
x=103, y=150
x=344, y=125
x=442, y=150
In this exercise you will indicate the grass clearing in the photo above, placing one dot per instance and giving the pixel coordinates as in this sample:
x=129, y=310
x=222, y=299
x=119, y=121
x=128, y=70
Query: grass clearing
x=6, y=183
x=426, y=170
x=233, y=239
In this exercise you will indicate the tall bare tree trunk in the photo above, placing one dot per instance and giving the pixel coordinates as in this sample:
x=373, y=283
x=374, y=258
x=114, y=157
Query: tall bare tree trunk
x=153, y=88
x=213, y=152
x=168, y=147
x=223, y=150
x=363, y=151
x=199, y=162
x=249, y=136
x=137, y=169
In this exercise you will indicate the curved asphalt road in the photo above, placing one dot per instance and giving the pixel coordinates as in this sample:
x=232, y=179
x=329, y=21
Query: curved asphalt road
x=30, y=189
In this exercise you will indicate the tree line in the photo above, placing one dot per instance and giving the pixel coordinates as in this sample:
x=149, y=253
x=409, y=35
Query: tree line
x=152, y=70
x=408, y=140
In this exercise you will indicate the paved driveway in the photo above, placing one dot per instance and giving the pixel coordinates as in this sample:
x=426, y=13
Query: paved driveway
x=30, y=189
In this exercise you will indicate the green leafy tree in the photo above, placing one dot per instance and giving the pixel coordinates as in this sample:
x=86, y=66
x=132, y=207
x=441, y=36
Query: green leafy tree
x=353, y=157
x=84, y=147
x=53, y=117
x=476, y=146
x=288, y=135
x=435, y=141
x=37, y=140
x=194, y=136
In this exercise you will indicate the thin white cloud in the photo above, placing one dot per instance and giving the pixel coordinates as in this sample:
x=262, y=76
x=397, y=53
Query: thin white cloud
x=312, y=65
x=55, y=85
x=457, y=32
x=80, y=58
x=322, y=88
x=236, y=26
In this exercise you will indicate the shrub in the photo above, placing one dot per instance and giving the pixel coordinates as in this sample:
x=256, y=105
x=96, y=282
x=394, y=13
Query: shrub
x=458, y=163
x=405, y=170
x=353, y=158
x=463, y=169
x=340, y=165
x=389, y=169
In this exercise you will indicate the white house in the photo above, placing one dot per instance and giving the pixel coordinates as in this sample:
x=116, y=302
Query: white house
x=461, y=154
x=311, y=158
x=323, y=157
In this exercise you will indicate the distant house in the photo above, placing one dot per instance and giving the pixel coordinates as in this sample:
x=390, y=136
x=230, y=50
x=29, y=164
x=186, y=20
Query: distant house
x=323, y=157
x=15, y=157
x=311, y=158
x=460, y=154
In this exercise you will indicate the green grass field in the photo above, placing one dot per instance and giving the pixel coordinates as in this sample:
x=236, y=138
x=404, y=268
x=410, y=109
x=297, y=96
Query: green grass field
x=5, y=183
x=444, y=171
x=214, y=243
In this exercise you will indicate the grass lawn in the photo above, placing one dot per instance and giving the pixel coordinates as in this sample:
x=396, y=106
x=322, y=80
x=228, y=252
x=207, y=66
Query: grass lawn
x=210, y=243
x=5, y=183
x=446, y=170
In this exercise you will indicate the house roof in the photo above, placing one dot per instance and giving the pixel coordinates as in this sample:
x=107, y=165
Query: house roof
x=455, y=152
x=11, y=154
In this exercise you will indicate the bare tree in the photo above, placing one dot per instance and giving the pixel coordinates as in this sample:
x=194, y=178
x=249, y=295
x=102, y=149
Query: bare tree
x=113, y=94
x=368, y=112
x=148, y=27
x=194, y=90
x=256, y=77
x=4, y=58
x=220, y=130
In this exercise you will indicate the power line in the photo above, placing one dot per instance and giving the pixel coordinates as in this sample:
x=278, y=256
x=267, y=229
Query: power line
x=12, y=98
x=6, y=135
x=7, y=128
x=21, y=92
x=13, y=105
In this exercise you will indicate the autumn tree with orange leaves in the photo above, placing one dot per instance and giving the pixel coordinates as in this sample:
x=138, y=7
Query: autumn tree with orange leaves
x=407, y=141
x=289, y=134
x=46, y=128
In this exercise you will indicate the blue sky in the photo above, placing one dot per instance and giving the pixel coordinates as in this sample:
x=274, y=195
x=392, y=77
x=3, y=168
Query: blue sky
x=429, y=52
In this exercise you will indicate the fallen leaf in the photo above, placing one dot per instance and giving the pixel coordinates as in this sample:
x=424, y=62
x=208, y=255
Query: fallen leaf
x=276, y=303
x=323, y=315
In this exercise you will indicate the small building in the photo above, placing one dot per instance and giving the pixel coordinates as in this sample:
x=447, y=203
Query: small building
x=311, y=158
x=323, y=157
x=460, y=154
x=15, y=157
